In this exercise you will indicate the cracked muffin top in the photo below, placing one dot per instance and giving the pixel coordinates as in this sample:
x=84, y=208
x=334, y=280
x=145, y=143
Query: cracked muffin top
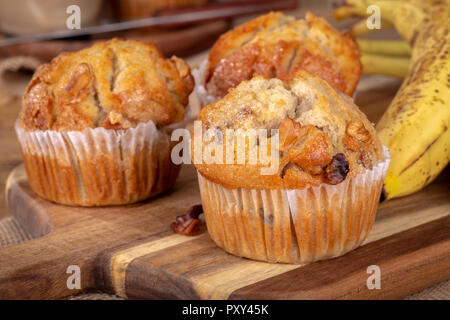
x=115, y=85
x=322, y=135
x=275, y=45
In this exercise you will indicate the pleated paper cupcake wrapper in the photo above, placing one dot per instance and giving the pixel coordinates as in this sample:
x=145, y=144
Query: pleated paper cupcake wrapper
x=199, y=75
x=293, y=226
x=97, y=167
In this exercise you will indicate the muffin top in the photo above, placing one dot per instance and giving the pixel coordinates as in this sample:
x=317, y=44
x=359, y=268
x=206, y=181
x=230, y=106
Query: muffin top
x=322, y=136
x=275, y=45
x=115, y=85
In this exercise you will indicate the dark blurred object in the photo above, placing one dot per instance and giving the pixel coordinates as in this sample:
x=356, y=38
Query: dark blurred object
x=179, y=42
x=337, y=3
x=168, y=18
x=137, y=9
x=172, y=40
x=229, y=9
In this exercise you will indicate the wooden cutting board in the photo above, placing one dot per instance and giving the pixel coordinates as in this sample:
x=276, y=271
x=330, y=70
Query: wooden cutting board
x=131, y=250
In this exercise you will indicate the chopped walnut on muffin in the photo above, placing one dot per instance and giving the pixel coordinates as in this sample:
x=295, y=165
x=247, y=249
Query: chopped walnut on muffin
x=275, y=45
x=322, y=135
x=115, y=85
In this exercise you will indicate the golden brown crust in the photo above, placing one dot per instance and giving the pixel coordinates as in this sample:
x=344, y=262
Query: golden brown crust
x=275, y=45
x=115, y=84
x=322, y=135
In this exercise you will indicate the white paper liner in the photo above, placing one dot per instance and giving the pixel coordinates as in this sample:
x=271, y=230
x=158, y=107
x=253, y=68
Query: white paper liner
x=97, y=166
x=293, y=226
x=199, y=75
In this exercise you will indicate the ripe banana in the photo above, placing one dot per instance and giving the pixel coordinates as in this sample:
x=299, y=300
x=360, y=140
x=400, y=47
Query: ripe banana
x=416, y=126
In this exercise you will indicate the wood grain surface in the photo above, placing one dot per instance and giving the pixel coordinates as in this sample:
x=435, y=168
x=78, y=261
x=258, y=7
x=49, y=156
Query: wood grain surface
x=131, y=250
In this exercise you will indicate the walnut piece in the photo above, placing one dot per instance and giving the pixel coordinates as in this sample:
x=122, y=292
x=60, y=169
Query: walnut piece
x=79, y=85
x=356, y=135
x=115, y=121
x=189, y=223
x=305, y=145
x=358, y=131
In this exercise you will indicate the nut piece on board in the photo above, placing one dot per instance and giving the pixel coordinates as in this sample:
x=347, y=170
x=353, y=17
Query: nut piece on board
x=189, y=223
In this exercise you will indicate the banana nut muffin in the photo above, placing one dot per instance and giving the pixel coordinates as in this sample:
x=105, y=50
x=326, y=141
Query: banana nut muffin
x=322, y=200
x=317, y=126
x=275, y=45
x=92, y=127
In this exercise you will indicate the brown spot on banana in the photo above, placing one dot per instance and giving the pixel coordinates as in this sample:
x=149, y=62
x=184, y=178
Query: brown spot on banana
x=424, y=152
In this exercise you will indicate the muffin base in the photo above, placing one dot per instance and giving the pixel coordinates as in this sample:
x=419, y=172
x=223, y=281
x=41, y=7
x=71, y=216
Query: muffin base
x=293, y=226
x=97, y=167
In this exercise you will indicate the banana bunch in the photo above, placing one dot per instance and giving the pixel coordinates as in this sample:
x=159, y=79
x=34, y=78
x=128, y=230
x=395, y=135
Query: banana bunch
x=416, y=126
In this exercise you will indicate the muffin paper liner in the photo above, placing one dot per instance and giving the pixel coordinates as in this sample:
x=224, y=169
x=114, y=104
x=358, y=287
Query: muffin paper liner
x=199, y=75
x=97, y=166
x=293, y=226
